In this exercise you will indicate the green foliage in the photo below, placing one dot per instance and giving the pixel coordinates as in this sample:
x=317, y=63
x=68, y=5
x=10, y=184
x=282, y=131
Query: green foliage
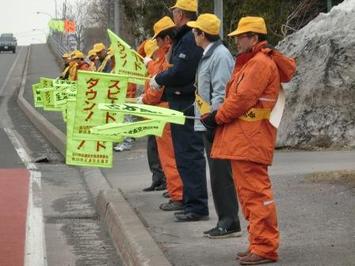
x=277, y=14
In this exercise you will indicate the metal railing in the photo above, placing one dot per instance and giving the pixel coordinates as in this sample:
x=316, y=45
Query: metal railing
x=57, y=48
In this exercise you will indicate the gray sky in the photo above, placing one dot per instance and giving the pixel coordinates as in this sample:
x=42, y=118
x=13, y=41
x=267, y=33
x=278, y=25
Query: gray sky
x=20, y=18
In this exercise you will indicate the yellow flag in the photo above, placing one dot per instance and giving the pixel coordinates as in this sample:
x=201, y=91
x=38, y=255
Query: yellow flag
x=202, y=106
x=127, y=60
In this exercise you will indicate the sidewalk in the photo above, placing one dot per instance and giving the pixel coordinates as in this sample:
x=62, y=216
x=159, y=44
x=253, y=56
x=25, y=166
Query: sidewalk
x=316, y=219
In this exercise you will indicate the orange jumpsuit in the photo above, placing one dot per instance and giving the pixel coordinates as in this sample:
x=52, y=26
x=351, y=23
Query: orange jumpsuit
x=164, y=143
x=248, y=140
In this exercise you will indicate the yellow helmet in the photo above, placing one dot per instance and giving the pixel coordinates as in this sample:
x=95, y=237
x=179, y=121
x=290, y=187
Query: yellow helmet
x=162, y=24
x=91, y=53
x=98, y=47
x=150, y=46
x=77, y=54
x=188, y=5
x=208, y=23
x=250, y=24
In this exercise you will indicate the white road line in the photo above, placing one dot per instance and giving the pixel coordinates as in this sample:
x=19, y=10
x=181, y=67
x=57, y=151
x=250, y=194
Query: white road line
x=35, y=245
x=10, y=71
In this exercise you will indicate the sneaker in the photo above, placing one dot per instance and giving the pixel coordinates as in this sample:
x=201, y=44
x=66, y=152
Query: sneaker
x=253, y=259
x=126, y=145
x=220, y=232
x=122, y=147
x=171, y=206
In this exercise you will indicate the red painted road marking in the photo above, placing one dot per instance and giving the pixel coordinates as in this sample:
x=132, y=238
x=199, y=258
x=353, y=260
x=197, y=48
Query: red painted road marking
x=13, y=212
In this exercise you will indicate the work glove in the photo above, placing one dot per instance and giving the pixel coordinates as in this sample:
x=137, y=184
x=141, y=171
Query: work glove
x=146, y=60
x=153, y=84
x=209, y=120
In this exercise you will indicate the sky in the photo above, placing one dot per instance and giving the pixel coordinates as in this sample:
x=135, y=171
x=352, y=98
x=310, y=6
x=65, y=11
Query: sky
x=19, y=17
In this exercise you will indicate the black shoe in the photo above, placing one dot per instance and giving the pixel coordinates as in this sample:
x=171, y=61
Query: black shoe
x=206, y=233
x=160, y=187
x=152, y=187
x=147, y=189
x=178, y=213
x=220, y=232
x=172, y=205
x=166, y=195
x=190, y=217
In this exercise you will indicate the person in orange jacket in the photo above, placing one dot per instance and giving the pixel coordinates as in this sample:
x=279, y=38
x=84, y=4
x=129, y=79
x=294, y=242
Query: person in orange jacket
x=79, y=64
x=164, y=30
x=246, y=136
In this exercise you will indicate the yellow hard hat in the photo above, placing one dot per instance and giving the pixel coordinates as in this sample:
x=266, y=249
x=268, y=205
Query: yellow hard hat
x=188, y=5
x=77, y=54
x=150, y=46
x=98, y=47
x=208, y=23
x=162, y=24
x=66, y=55
x=250, y=24
x=73, y=53
x=91, y=53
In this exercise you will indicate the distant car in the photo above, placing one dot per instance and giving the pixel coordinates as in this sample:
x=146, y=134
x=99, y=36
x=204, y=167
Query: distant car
x=8, y=42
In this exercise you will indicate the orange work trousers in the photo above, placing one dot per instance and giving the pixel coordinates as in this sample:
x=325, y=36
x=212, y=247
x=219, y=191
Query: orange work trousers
x=255, y=196
x=168, y=163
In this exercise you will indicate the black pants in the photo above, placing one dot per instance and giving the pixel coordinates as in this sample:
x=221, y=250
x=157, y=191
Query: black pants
x=190, y=162
x=223, y=190
x=158, y=176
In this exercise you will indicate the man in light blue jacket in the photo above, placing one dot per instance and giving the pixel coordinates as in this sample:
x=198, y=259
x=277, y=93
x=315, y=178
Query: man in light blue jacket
x=213, y=73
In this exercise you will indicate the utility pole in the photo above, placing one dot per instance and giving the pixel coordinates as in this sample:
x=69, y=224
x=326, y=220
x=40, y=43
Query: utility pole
x=116, y=16
x=218, y=10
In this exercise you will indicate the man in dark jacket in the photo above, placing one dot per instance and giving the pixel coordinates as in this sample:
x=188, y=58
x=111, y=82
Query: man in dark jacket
x=179, y=91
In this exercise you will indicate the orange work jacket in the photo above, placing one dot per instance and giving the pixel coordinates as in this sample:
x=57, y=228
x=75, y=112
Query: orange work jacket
x=254, y=85
x=154, y=67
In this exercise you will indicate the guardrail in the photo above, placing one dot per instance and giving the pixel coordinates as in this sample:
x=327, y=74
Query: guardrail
x=57, y=48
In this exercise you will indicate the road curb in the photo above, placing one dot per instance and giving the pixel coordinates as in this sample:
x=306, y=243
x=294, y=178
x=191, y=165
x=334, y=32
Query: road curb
x=130, y=237
x=136, y=245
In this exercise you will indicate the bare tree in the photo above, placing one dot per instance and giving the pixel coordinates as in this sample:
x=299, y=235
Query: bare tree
x=303, y=13
x=78, y=12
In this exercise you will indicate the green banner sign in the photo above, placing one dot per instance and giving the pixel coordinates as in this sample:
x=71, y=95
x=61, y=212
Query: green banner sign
x=94, y=88
x=164, y=115
x=37, y=96
x=83, y=152
x=134, y=130
x=127, y=60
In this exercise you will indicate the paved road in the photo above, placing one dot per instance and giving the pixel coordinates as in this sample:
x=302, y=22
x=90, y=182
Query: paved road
x=316, y=219
x=62, y=224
